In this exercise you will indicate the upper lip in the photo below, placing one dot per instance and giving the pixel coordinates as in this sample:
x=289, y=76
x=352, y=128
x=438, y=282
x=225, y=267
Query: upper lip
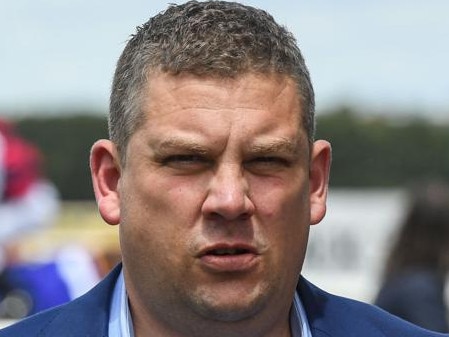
x=232, y=248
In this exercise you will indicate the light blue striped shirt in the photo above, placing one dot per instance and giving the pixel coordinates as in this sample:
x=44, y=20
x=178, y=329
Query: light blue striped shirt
x=120, y=321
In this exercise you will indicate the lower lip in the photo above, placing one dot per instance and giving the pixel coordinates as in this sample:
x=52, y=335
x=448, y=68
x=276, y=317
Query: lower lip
x=229, y=263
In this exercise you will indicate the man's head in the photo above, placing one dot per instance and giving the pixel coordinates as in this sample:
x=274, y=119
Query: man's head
x=207, y=39
x=221, y=180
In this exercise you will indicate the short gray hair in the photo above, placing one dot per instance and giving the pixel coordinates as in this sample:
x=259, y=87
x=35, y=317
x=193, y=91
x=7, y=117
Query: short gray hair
x=211, y=38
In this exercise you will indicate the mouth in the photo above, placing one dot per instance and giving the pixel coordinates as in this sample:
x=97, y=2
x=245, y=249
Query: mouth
x=229, y=258
x=227, y=251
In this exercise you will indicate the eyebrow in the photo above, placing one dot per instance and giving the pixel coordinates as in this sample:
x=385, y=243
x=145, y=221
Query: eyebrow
x=281, y=145
x=174, y=143
x=264, y=147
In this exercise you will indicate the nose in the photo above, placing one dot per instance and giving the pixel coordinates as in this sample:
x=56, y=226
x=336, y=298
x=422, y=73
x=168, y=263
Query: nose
x=228, y=195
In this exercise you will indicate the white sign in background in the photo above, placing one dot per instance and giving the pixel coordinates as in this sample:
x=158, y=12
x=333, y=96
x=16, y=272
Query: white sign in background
x=347, y=250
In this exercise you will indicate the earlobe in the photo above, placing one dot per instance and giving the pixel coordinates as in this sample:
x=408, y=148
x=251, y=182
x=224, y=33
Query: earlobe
x=319, y=179
x=105, y=172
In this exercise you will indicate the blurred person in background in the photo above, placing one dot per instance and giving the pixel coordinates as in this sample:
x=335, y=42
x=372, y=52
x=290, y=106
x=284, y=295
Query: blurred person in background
x=28, y=201
x=417, y=266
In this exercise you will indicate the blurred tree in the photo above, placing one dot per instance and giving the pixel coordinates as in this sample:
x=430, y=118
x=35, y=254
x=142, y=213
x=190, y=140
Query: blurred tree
x=66, y=143
x=381, y=152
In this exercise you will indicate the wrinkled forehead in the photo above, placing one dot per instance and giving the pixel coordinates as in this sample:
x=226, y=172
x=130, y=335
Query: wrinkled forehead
x=251, y=90
x=253, y=109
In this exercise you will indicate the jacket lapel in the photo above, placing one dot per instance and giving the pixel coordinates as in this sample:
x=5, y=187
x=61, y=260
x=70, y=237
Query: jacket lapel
x=330, y=316
x=88, y=315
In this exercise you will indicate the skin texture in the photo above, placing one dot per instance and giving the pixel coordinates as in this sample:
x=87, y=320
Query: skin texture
x=219, y=164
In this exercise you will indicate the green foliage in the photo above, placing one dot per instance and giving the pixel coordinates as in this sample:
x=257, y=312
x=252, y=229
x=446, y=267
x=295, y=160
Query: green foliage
x=377, y=152
x=65, y=143
x=367, y=151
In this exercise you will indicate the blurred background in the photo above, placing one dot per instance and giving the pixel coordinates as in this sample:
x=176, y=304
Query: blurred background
x=381, y=79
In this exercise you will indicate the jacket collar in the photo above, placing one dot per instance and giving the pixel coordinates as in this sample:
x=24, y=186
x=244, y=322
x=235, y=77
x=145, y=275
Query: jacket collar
x=88, y=315
x=335, y=316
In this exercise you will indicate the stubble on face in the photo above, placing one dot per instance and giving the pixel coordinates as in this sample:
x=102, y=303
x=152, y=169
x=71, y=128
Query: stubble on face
x=229, y=187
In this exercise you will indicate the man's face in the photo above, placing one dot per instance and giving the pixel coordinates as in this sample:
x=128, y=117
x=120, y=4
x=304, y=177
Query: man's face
x=214, y=199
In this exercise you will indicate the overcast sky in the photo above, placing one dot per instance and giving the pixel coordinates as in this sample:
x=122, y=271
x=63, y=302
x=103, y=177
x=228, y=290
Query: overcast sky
x=56, y=53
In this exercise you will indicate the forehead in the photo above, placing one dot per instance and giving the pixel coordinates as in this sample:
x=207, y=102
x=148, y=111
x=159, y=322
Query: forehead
x=249, y=107
x=249, y=111
x=273, y=93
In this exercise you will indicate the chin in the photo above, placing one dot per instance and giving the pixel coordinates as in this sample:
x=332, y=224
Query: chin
x=229, y=313
x=230, y=307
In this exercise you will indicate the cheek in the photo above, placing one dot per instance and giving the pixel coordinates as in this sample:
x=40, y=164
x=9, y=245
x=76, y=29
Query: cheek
x=287, y=199
x=161, y=197
x=158, y=215
x=285, y=217
x=150, y=247
x=183, y=198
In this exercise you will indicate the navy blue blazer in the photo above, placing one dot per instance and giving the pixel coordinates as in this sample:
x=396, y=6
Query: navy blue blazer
x=328, y=315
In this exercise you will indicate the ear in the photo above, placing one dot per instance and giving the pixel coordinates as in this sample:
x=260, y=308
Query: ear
x=105, y=171
x=319, y=179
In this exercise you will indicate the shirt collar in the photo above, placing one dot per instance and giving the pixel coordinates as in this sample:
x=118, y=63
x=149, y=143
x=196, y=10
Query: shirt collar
x=299, y=324
x=120, y=321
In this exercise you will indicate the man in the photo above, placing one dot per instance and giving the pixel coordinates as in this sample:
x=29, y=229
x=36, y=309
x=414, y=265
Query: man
x=214, y=177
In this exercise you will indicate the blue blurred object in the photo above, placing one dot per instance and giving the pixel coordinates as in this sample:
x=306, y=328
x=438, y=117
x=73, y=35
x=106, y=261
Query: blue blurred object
x=41, y=283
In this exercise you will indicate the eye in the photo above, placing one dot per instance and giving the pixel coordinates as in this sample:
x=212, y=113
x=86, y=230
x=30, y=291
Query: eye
x=267, y=163
x=182, y=158
x=270, y=160
x=185, y=161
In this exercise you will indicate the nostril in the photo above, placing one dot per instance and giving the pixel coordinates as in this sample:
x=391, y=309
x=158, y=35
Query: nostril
x=245, y=216
x=226, y=214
